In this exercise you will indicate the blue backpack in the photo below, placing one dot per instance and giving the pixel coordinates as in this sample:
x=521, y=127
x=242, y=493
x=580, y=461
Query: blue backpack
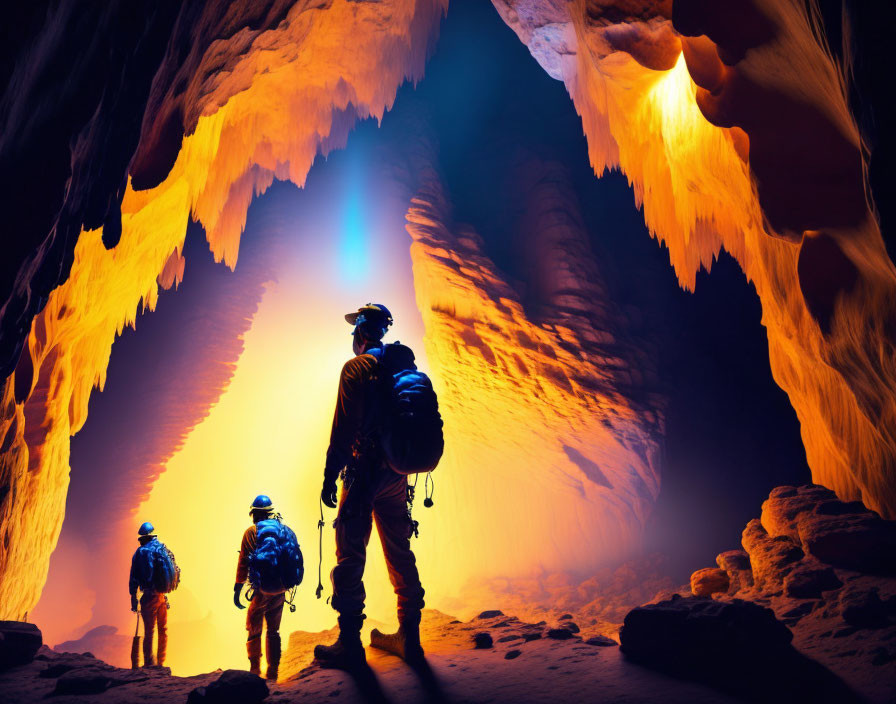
x=411, y=426
x=276, y=565
x=156, y=569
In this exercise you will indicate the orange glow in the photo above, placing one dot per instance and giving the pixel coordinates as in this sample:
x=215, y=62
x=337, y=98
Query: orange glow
x=698, y=195
x=275, y=112
x=268, y=434
x=512, y=398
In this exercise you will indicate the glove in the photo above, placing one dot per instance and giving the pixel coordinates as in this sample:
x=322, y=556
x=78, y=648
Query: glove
x=328, y=493
x=134, y=603
x=237, y=588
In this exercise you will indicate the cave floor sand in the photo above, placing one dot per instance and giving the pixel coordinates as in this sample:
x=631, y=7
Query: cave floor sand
x=545, y=670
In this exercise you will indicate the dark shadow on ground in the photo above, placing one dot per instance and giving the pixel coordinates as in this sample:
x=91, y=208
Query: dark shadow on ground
x=367, y=683
x=780, y=676
x=428, y=681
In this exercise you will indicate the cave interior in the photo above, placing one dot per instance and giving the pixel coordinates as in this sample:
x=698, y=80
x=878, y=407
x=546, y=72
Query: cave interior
x=641, y=248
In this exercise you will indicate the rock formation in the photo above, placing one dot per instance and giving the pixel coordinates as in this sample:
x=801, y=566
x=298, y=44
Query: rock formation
x=825, y=567
x=571, y=391
x=734, y=128
x=230, y=155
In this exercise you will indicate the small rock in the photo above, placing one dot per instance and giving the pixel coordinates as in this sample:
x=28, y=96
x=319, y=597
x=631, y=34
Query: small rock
x=532, y=635
x=507, y=639
x=490, y=614
x=709, y=581
x=232, y=687
x=483, y=640
x=808, y=582
x=565, y=617
x=19, y=642
x=560, y=633
x=601, y=640
x=83, y=680
x=786, y=503
x=570, y=626
x=57, y=670
x=858, y=541
x=771, y=559
x=736, y=564
x=511, y=654
x=862, y=608
x=798, y=611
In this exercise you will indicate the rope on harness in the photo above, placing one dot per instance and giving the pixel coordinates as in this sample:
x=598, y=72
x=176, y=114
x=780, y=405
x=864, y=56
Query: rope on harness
x=320, y=550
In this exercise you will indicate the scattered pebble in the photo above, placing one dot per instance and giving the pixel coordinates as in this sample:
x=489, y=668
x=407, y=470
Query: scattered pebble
x=490, y=614
x=601, y=640
x=511, y=654
x=483, y=640
x=560, y=633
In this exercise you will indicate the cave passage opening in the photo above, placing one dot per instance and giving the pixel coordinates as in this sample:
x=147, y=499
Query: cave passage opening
x=262, y=363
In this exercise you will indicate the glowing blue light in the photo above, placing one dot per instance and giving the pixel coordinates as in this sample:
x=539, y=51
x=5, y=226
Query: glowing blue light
x=354, y=252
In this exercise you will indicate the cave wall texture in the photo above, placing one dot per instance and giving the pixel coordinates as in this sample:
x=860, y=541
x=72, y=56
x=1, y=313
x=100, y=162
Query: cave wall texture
x=746, y=142
x=732, y=123
x=268, y=89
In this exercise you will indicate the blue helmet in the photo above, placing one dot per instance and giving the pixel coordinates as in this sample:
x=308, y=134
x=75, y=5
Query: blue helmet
x=262, y=503
x=146, y=529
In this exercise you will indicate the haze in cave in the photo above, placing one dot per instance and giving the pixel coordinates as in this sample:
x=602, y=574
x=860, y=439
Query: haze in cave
x=659, y=326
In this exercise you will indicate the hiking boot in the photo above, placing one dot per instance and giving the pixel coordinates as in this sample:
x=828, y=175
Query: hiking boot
x=405, y=642
x=273, y=655
x=346, y=653
x=253, y=650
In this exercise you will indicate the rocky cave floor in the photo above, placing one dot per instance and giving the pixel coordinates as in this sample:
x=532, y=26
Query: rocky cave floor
x=805, y=612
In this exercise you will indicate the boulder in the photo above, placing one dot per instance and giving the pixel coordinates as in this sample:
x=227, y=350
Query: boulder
x=232, y=687
x=786, y=503
x=736, y=564
x=737, y=646
x=709, y=581
x=808, y=581
x=693, y=632
x=19, y=642
x=771, y=559
x=840, y=533
x=858, y=541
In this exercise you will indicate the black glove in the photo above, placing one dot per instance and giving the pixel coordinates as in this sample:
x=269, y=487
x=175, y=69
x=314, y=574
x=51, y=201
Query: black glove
x=237, y=588
x=328, y=493
x=134, y=603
